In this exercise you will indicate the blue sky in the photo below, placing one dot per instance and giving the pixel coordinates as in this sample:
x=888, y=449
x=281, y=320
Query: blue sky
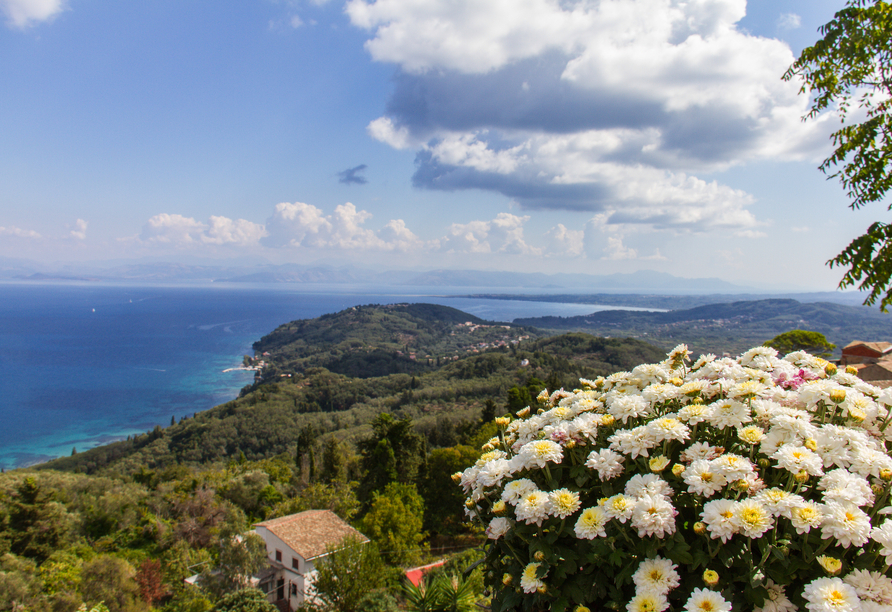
x=532, y=135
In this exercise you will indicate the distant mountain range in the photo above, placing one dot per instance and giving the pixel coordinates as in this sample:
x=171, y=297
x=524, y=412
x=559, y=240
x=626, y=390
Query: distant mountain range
x=646, y=281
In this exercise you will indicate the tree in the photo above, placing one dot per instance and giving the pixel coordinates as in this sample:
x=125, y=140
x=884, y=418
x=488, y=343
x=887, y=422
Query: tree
x=110, y=580
x=394, y=522
x=37, y=525
x=245, y=600
x=394, y=453
x=443, y=499
x=348, y=572
x=801, y=340
x=852, y=66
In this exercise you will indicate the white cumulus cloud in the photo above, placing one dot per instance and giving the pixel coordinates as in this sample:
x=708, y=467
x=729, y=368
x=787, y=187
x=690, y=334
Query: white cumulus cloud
x=304, y=225
x=177, y=230
x=80, y=230
x=23, y=13
x=581, y=105
x=504, y=234
x=18, y=232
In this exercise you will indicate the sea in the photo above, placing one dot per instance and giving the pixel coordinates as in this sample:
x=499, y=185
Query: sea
x=87, y=363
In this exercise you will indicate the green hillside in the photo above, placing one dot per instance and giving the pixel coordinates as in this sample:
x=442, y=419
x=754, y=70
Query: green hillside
x=730, y=327
x=333, y=375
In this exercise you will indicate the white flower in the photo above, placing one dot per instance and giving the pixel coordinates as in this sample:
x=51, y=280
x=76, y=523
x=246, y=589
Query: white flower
x=656, y=575
x=535, y=507
x=667, y=428
x=728, y=413
x=619, y=507
x=830, y=595
x=807, y=517
x=840, y=485
x=694, y=413
x=777, y=600
x=718, y=515
x=647, y=602
x=608, y=463
x=493, y=473
x=752, y=518
x=649, y=373
x=564, y=502
x=794, y=458
x=846, y=523
x=731, y=466
x=539, y=452
x=779, y=502
x=702, y=479
x=591, y=524
x=516, y=490
x=647, y=484
x=699, y=450
x=882, y=535
x=528, y=580
x=624, y=407
x=704, y=600
x=871, y=585
x=633, y=442
x=653, y=515
x=498, y=527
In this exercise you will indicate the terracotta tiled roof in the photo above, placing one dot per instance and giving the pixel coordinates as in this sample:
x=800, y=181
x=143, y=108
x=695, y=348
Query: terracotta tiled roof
x=880, y=347
x=311, y=532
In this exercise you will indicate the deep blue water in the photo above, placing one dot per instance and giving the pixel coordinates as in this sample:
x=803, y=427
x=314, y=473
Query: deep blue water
x=84, y=364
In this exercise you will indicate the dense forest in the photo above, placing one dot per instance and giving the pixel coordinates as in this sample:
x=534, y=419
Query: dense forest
x=366, y=412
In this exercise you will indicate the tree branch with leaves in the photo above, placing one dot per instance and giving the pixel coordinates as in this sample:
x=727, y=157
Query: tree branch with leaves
x=849, y=71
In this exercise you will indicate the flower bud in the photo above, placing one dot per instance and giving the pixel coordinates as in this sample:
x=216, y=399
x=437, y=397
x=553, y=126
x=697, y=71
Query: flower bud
x=699, y=528
x=470, y=504
x=852, y=370
x=543, y=396
x=456, y=478
x=811, y=444
x=697, y=400
x=503, y=421
x=542, y=589
x=837, y=396
x=710, y=577
x=831, y=565
x=886, y=474
x=499, y=508
x=857, y=415
x=523, y=413
x=742, y=485
x=570, y=444
x=658, y=463
x=877, y=489
x=764, y=463
x=830, y=370
x=539, y=555
x=608, y=420
x=677, y=470
x=676, y=381
x=801, y=476
x=507, y=579
x=581, y=608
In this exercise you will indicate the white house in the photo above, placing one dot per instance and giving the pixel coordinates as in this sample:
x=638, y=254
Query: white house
x=293, y=544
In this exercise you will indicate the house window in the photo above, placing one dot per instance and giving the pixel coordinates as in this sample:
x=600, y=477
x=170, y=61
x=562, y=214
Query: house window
x=295, y=563
x=279, y=556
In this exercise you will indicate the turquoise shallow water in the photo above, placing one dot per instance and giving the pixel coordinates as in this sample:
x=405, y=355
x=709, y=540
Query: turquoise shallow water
x=84, y=364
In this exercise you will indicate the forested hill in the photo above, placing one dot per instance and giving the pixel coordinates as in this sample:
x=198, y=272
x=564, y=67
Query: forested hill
x=368, y=341
x=731, y=327
x=306, y=395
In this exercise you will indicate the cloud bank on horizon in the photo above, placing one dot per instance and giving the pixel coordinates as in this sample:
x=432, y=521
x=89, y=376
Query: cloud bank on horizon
x=592, y=129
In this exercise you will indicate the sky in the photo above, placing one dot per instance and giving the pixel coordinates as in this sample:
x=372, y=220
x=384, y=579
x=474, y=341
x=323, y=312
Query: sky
x=596, y=136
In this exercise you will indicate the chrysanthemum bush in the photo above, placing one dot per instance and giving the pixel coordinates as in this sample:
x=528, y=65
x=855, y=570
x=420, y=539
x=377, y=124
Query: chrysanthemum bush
x=756, y=483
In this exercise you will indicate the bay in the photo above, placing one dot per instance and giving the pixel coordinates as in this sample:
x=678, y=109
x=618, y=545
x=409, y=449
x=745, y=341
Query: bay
x=82, y=364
